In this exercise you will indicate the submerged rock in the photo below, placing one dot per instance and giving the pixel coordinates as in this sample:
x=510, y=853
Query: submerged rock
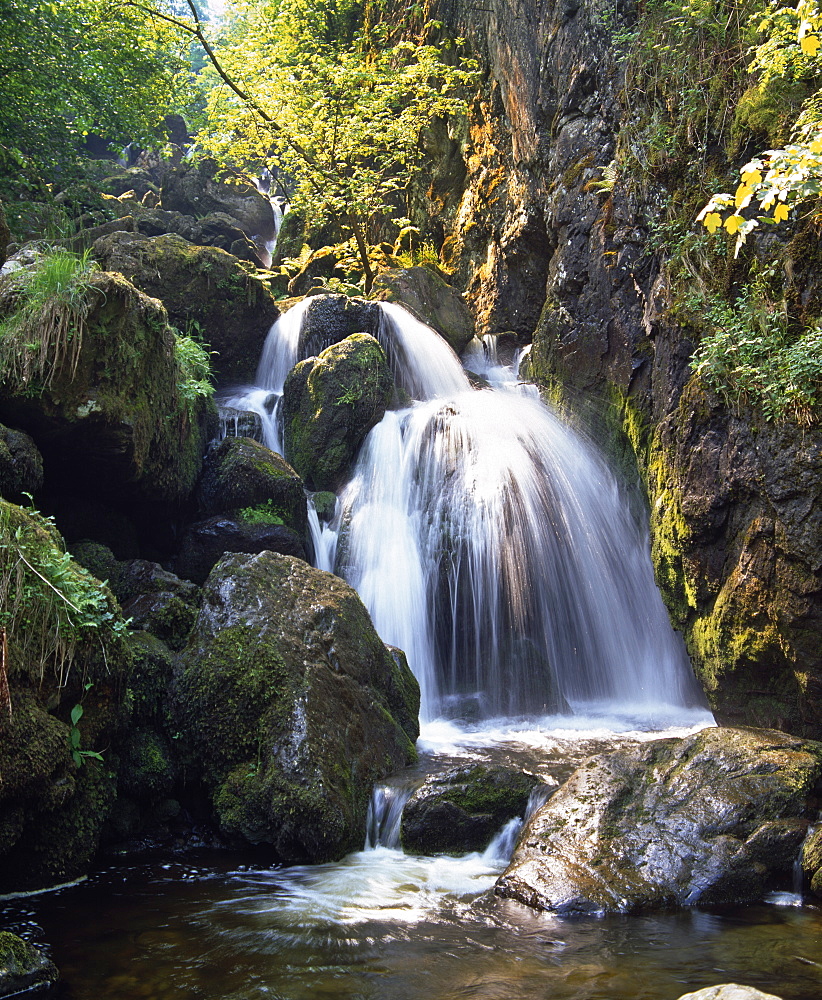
x=293, y=706
x=23, y=967
x=461, y=809
x=330, y=403
x=712, y=818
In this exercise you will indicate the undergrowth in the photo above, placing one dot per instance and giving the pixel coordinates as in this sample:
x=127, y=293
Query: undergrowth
x=194, y=364
x=53, y=610
x=749, y=357
x=46, y=307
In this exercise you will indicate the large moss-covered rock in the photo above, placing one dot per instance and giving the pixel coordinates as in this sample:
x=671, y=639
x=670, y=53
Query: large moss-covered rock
x=21, y=465
x=715, y=817
x=192, y=189
x=213, y=230
x=23, y=967
x=201, y=287
x=240, y=474
x=115, y=421
x=461, y=809
x=292, y=705
x=330, y=403
x=424, y=293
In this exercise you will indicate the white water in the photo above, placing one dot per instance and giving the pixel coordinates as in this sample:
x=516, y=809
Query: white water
x=492, y=544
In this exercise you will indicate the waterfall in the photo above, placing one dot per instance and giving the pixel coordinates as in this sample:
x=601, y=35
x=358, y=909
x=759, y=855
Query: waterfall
x=492, y=544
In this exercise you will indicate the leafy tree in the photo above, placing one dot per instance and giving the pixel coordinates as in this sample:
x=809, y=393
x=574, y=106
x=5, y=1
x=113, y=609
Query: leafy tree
x=320, y=89
x=75, y=66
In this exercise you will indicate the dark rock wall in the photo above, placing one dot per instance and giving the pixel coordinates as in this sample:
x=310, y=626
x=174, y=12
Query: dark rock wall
x=551, y=241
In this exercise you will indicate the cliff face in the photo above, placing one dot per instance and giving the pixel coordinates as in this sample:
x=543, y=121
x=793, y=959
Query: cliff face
x=551, y=240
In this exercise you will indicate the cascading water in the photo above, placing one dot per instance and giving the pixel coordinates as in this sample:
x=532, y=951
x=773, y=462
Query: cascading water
x=490, y=542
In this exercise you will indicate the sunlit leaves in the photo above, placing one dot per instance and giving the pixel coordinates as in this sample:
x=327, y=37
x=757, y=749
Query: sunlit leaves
x=780, y=179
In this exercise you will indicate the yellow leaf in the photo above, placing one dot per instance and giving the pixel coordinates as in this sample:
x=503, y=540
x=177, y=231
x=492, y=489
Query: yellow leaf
x=810, y=44
x=816, y=145
x=781, y=212
x=743, y=195
x=751, y=177
x=733, y=222
x=712, y=222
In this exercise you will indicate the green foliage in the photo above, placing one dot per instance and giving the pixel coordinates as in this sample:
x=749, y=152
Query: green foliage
x=750, y=358
x=48, y=304
x=263, y=513
x=194, y=363
x=54, y=611
x=80, y=756
x=687, y=60
x=77, y=66
x=779, y=180
x=335, y=103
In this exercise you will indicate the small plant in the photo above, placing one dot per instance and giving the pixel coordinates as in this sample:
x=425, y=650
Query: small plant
x=80, y=756
x=194, y=364
x=43, y=332
x=263, y=513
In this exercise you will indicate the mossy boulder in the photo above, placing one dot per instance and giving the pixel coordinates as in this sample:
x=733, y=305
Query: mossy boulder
x=717, y=817
x=21, y=465
x=53, y=799
x=23, y=967
x=113, y=420
x=240, y=474
x=328, y=319
x=461, y=809
x=292, y=705
x=428, y=297
x=203, y=288
x=330, y=403
x=193, y=189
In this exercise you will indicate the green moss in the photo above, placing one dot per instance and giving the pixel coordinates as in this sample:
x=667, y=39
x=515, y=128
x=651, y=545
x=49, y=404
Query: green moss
x=765, y=115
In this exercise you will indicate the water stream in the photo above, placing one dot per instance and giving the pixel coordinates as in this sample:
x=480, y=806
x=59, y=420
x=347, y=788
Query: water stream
x=495, y=547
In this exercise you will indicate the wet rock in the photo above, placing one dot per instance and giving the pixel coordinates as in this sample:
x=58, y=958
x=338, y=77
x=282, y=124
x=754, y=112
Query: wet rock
x=462, y=809
x=293, y=706
x=729, y=991
x=213, y=230
x=428, y=297
x=329, y=319
x=240, y=423
x=23, y=967
x=204, y=289
x=325, y=504
x=137, y=577
x=205, y=542
x=812, y=861
x=713, y=818
x=21, y=465
x=330, y=403
x=241, y=474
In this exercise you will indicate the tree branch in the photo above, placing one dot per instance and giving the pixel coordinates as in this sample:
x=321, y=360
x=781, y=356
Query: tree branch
x=196, y=30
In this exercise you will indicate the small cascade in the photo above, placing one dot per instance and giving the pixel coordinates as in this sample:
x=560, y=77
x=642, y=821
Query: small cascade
x=385, y=815
x=502, y=846
x=490, y=542
x=323, y=540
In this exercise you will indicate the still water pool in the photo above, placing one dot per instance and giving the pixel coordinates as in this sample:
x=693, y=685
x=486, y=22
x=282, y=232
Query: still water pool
x=381, y=925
